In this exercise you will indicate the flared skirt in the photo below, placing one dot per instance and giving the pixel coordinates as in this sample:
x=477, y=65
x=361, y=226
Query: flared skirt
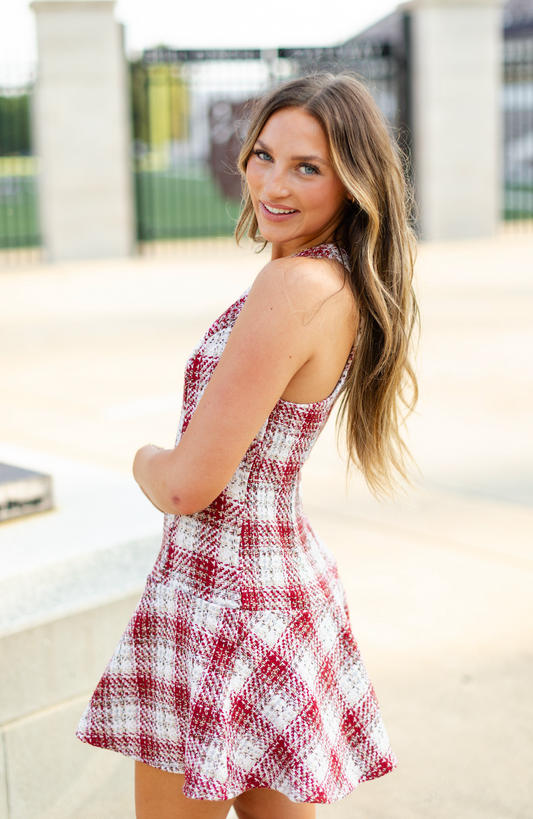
x=237, y=699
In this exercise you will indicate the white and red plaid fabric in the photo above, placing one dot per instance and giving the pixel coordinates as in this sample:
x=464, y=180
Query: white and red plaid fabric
x=239, y=667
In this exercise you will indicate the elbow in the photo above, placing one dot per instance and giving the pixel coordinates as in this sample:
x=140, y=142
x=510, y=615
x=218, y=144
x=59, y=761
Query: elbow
x=187, y=503
x=179, y=505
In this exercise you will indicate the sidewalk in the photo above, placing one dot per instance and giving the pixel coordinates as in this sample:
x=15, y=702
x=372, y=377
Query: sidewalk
x=440, y=587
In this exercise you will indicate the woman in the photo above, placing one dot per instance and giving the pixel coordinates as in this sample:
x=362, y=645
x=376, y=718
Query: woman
x=238, y=680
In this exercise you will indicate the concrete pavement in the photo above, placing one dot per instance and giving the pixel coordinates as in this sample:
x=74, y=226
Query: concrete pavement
x=440, y=586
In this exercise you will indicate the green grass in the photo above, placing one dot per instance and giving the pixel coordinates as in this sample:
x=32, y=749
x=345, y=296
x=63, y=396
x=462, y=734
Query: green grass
x=518, y=201
x=168, y=207
x=19, y=212
x=172, y=207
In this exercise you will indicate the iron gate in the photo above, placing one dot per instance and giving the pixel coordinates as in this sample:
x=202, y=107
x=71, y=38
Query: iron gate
x=518, y=130
x=188, y=122
x=19, y=218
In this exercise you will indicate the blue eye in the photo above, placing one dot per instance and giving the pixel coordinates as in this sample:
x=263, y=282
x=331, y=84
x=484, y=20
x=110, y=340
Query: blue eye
x=309, y=170
x=263, y=155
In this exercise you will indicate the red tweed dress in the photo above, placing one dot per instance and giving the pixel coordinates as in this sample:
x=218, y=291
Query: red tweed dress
x=239, y=668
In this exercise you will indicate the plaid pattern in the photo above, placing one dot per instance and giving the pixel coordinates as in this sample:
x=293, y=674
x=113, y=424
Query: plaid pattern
x=239, y=667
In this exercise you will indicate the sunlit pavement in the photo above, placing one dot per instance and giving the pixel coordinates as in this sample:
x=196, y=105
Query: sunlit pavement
x=440, y=587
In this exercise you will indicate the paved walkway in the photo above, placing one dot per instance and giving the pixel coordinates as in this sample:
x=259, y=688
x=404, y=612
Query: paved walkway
x=440, y=587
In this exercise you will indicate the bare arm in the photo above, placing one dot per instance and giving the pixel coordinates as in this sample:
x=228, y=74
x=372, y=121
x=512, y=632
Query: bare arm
x=273, y=337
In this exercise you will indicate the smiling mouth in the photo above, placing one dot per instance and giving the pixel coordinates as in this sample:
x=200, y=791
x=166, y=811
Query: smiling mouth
x=276, y=211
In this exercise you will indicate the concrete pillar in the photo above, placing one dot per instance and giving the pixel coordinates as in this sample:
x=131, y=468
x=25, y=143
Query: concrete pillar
x=456, y=70
x=82, y=131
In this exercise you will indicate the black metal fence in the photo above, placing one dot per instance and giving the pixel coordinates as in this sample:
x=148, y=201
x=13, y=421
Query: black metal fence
x=185, y=107
x=20, y=236
x=518, y=131
x=189, y=121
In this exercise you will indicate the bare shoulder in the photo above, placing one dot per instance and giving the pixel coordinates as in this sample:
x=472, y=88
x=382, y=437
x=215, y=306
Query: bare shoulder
x=304, y=283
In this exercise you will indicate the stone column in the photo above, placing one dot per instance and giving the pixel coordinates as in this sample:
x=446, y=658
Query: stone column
x=456, y=60
x=82, y=131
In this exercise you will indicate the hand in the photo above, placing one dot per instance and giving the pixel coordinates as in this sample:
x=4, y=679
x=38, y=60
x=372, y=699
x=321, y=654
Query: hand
x=140, y=462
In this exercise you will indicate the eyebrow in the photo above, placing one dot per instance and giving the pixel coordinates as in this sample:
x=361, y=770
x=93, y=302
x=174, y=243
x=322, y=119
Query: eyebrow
x=309, y=158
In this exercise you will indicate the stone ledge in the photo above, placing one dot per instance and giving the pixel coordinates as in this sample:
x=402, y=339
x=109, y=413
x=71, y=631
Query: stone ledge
x=44, y=665
x=65, y=588
x=61, y=624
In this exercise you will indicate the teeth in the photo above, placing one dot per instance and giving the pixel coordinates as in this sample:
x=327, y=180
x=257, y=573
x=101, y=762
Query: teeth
x=277, y=210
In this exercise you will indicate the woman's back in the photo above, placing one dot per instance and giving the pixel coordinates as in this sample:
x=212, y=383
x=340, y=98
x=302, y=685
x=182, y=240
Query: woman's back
x=259, y=548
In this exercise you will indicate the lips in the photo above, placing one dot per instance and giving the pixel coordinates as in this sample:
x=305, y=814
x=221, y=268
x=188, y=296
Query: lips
x=276, y=214
x=277, y=210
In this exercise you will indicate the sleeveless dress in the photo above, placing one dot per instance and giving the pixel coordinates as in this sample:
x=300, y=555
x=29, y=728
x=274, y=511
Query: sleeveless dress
x=239, y=668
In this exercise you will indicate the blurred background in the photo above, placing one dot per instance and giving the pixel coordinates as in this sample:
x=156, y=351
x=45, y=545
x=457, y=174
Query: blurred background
x=120, y=124
x=171, y=114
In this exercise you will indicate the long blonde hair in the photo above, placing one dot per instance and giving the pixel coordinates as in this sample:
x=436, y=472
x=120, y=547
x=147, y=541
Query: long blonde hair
x=381, y=388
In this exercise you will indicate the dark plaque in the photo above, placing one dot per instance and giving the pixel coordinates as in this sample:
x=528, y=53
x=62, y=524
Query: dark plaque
x=23, y=492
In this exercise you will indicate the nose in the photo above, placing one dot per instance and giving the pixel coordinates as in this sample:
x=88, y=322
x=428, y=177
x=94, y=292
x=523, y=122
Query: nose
x=276, y=185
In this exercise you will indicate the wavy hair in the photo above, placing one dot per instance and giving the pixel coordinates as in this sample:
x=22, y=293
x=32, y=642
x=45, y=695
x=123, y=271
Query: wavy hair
x=376, y=232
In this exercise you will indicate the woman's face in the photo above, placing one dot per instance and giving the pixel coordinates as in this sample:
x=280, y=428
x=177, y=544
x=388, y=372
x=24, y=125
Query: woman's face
x=297, y=198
